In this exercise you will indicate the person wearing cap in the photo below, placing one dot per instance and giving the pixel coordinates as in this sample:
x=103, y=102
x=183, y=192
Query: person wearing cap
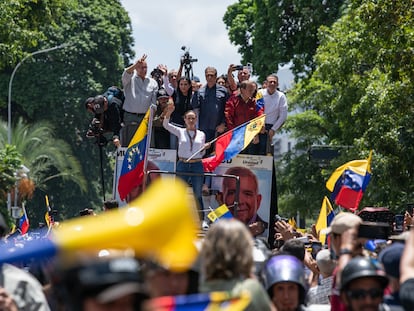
x=284, y=279
x=344, y=246
x=227, y=263
x=100, y=284
x=362, y=285
x=320, y=293
x=140, y=93
x=196, y=84
x=108, y=114
x=390, y=258
x=161, y=137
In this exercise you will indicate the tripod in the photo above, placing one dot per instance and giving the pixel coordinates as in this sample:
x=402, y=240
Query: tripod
x=101, y=142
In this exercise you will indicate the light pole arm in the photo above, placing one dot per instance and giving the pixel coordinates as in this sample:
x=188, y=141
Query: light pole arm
x=9, y=131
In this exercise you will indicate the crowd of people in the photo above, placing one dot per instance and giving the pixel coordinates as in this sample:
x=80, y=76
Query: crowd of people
x=347, y=273
x=219, y=105
x=298, y=272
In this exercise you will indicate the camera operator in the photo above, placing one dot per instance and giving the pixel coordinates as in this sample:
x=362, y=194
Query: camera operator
x=107, y=118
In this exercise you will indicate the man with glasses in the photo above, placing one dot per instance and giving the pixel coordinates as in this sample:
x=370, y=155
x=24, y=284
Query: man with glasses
x=275, y=108
x=209, y=101
x=362, y=285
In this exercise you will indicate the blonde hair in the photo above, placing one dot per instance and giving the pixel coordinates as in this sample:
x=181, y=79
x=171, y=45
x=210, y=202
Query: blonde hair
x=227, y=251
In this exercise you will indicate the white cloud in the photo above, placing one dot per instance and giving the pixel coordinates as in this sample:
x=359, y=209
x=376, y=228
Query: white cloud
x=161, y=27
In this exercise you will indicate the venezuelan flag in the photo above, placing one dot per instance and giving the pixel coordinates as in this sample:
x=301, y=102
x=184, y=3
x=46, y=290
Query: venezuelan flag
x=220, y=212
x=24, y=224
x=349, y=181
x=204, y=301
x=132, y=172
x=233, y=142
x=326, y=215
x=259, y=102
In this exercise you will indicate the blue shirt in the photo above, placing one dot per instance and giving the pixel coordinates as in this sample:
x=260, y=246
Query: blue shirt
x=211, y=103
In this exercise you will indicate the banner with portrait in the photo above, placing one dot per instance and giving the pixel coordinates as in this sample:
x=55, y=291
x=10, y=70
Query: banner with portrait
x=261, y=166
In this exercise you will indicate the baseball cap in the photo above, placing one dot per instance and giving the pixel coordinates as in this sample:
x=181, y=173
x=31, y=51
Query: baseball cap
x=342, y=222
x=390, y=258
x=196, y=79
x=162, y=93
x=324, y=261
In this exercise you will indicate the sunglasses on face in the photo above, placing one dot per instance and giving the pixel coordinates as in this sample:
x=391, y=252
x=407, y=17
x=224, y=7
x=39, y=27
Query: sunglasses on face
x=358, y=294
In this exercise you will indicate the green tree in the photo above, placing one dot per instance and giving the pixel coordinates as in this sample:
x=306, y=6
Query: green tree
x=270, y=33
x=361, y=95
x=52, y=87
x=21, y=23
x=10, y=162
x=49, y=160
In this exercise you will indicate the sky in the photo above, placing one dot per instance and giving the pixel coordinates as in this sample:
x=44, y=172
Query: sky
x=162, y=27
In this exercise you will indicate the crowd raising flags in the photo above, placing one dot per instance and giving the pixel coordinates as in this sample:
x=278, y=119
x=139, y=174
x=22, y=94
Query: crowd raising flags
x=348, y=183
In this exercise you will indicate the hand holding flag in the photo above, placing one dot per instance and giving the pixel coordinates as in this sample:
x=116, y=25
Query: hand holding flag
x=233, y=142
x=133, y=166
x=349, y=181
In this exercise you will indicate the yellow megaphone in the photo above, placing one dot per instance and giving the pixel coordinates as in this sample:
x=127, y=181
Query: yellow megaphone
x=160, y=224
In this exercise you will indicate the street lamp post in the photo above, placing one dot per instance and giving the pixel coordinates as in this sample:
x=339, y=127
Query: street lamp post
x=9, y=131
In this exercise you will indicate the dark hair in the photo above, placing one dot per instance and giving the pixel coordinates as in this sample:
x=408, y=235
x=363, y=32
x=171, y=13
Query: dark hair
x=89, y=101
x=295, y=248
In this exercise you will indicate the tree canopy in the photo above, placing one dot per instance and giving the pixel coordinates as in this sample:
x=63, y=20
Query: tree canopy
x=361, y=95
x=53, y=86
x=270, y=33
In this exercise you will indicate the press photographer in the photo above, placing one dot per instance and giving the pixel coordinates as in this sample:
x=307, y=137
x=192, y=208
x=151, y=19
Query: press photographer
x=107, y=109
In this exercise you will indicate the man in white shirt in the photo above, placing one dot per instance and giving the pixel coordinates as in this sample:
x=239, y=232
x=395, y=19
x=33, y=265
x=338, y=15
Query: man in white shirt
x=276, y=109
x=140, y=92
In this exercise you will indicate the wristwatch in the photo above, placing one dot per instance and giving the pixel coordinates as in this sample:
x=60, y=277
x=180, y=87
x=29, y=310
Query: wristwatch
x=345, y=251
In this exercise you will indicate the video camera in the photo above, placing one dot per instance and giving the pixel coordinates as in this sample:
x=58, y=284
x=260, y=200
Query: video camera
x=187, y=59
x=95, y=129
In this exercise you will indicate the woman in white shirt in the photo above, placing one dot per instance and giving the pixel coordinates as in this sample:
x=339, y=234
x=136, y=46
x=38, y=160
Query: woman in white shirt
x=190, y=140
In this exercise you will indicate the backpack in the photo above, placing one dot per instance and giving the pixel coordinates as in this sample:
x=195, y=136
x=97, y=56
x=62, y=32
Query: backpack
x=115, y=95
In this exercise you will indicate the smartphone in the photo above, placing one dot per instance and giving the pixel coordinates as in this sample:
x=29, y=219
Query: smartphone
x=238, y=67
x=399, y=223
x=374, y=230
x=316, y=247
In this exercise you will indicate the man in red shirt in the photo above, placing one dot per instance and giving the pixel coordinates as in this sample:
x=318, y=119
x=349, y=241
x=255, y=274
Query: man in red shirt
x=241, y=108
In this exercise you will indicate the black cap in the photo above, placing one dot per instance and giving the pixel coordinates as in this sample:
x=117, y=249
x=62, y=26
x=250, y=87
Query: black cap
x=162, y=93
